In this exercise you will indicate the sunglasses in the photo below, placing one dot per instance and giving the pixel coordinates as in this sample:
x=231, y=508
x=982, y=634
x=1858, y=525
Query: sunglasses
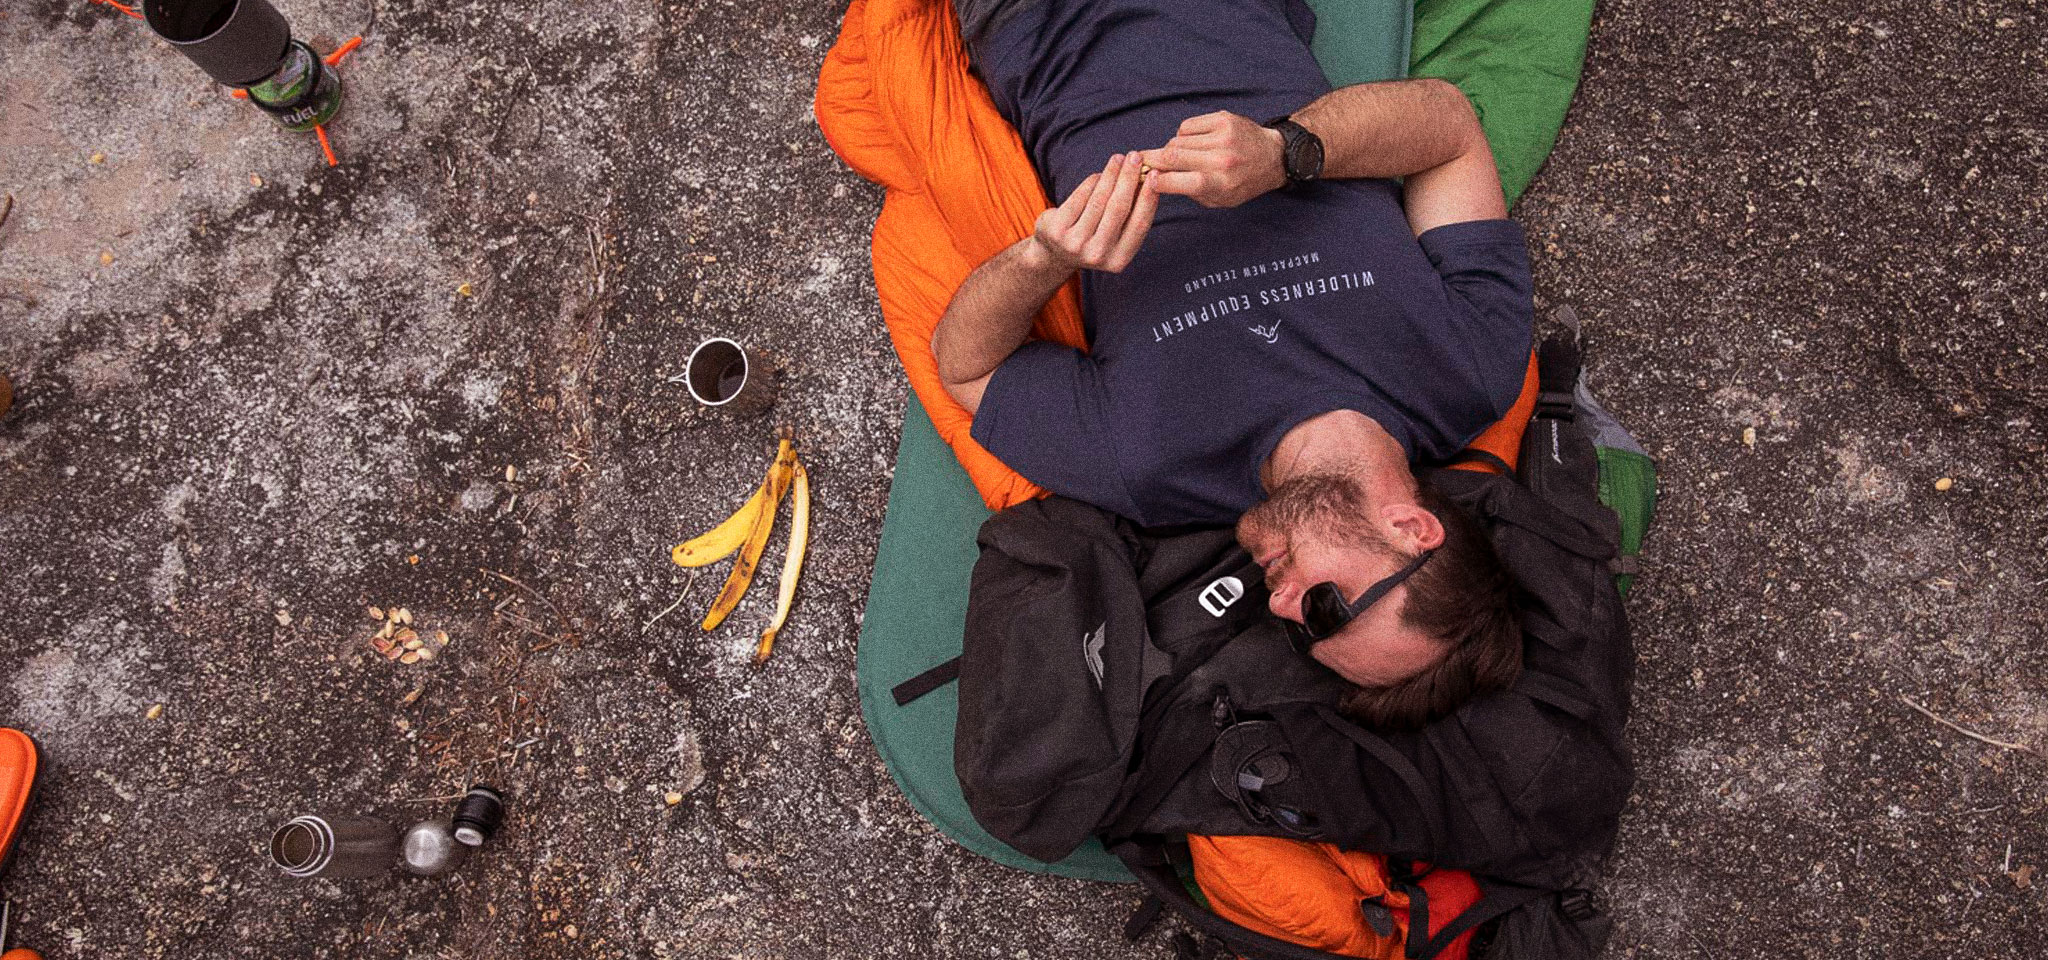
x=1324, y=610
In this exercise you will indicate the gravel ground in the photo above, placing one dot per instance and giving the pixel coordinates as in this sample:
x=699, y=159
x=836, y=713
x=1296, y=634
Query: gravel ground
x=256, y=396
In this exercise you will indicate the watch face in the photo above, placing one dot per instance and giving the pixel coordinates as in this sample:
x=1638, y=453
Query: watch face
x=1304, y=156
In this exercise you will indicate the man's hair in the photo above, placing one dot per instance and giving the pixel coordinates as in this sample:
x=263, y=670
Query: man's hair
x=1464, y=596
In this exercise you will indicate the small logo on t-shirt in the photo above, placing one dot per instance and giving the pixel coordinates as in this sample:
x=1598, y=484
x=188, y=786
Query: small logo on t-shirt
x=1271, y=333
x=1091, y=651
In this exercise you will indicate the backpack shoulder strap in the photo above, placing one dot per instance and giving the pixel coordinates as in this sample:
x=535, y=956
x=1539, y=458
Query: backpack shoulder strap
x=1399, y=765
x=1555, y=691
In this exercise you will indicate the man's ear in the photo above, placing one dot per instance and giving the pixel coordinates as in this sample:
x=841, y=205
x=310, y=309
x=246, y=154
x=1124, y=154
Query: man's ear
x=1415, y=528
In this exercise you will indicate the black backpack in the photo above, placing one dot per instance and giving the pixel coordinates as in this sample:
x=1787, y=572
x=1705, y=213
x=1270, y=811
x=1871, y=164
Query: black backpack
x=1130, y=685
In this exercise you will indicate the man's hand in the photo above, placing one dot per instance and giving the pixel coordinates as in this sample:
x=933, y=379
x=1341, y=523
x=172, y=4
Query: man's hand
x=1103, y=222
x=1220, y=159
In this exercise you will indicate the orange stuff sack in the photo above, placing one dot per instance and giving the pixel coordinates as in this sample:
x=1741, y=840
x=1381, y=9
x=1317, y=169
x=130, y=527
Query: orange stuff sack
x=1309, y=894
x=18, y=761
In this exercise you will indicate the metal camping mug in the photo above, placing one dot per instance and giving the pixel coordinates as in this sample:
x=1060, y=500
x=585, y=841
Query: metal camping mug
x=335, y=847
x=727, y=377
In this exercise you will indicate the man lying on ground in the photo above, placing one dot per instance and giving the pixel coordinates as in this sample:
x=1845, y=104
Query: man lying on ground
x=1279, y=330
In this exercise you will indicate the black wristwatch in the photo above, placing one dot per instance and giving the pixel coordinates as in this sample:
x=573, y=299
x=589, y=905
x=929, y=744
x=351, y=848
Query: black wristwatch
x=1301, y=152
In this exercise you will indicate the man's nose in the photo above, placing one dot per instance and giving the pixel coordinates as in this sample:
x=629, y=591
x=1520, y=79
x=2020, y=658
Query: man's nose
x=1285, y=604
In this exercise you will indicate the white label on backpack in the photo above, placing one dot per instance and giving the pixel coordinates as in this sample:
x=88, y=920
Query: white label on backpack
x=1219, y=595
x=1091, y=651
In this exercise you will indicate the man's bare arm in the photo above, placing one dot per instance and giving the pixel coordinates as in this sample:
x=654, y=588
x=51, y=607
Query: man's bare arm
x=991, y=314
x=1424, y=130
x=1100, y=227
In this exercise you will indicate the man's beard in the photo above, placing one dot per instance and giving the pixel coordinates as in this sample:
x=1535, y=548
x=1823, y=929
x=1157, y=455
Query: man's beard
x=1315, y=506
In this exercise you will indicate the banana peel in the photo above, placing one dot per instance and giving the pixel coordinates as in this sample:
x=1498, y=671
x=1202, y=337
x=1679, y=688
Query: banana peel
x=719, y=542
x=779, y=476
x=793, y=561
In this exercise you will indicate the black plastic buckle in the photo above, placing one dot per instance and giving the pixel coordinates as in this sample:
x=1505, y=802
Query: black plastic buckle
x=1577, y=905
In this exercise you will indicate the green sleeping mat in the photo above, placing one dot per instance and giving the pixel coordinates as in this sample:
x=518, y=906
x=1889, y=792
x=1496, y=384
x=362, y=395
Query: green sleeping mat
x=1518, y=61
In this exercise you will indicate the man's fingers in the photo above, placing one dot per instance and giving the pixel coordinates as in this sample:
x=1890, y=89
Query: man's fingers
x=1187, y=183
x=1125, y=190
x=1204, y=123
x=1180, y=153
x=1070, y=211
x=1137, y=226
x=1098, y=199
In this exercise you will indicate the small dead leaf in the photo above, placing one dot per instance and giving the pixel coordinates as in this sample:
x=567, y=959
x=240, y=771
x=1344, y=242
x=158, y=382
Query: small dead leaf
x=466, y=290
x=409, y=657
x=155, y=710
x=2023, y=878
x=376, y=613
x=284, y=618
x=1944, y=484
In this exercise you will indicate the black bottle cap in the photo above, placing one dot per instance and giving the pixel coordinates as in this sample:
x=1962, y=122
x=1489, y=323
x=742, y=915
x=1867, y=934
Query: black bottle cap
x=237, y=42
x=478, y=815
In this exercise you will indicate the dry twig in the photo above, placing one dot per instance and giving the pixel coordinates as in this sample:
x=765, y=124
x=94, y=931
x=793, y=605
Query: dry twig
x=687, y=587
x=1965, y=731
x=537, y=595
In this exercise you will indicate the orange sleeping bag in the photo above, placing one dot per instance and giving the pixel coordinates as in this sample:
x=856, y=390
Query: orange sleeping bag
x=897, y=102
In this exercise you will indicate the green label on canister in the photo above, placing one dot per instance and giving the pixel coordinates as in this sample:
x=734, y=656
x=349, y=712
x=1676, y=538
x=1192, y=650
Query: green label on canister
x=303, y=93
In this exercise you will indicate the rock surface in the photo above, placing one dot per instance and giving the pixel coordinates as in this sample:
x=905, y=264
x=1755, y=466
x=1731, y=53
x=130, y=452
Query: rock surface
x=255, y=396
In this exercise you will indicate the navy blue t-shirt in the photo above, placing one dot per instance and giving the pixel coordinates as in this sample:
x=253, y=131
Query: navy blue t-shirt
x=1233, y=326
